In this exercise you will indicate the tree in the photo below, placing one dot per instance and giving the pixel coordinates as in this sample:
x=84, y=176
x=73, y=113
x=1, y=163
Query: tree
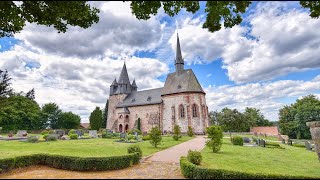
x=105, y=115
x=226, y=12
x=176, y=132
x=13, y=17
x=232, y=120
x=155, y=136
x=30, y=94
x=50, y=114
x=190, y=131
x=213, y=118
x=293, y=118
x=255, y=118
x=68, y=120
x=96, y=119
x=215, y=136
x=19, y=112
x=5, y=89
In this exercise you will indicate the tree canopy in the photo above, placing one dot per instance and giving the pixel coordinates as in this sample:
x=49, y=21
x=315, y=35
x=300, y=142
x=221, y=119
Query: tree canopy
x=293, y=118
x=96, y=119
x=50, y=114
x=68, y=120
x=59, y=14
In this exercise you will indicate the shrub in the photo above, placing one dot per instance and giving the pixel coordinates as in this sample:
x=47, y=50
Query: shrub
x=146, y=138
x=33, y=139
x=194, y=157
x=215, y=136
x=70, y=162
x=132, y=131
x=103, y=131
x=73, y=136
x=135, y=149
x=51, y=131
x=155, y=136
x=237, y=140
x=130, y=136
x=107, y=135
x=52, y=137
x=190, y=131
x=45, y=136
x=72, y=131
x=192, y=171
x=254, y=139
x=176, y=132
x=44, y=132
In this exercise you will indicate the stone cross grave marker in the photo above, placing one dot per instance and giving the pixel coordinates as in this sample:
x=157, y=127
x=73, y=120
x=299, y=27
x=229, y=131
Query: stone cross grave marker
x=21, y=132
x=93, y=133
x=308, y=146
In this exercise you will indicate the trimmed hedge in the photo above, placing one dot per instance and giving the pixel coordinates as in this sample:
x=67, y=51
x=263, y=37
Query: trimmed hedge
x=70, y=162
x=193, y=171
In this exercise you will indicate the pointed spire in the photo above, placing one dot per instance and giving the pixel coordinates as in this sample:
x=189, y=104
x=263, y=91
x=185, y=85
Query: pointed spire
x=114, y=83
x=179, y=63
x=124, y=82
x=134, y=83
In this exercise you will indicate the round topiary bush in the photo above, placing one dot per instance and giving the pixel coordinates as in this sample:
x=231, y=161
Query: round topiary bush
x=33, y=139
x=237, y=140
x=130, y=136
x=72, y=131
x=135, y=149
x=73, y=136
x=44, y=132
x=190, y=131
x=194, y=157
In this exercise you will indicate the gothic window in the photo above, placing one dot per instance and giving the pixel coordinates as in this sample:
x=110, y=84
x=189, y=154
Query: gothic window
x=194, y=110
x=181, y=109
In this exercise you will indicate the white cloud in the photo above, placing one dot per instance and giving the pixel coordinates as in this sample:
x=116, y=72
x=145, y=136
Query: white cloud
x=118, y=32
x=75, y=84
x=265, y=96
x=285, y=40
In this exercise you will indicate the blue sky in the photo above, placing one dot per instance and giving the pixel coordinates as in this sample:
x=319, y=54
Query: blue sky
x=267, y=61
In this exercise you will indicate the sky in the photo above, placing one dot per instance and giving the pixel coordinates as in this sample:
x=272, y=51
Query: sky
x=268, y=61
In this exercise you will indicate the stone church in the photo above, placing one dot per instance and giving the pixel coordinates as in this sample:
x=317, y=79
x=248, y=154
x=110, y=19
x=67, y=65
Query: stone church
x=181, y=101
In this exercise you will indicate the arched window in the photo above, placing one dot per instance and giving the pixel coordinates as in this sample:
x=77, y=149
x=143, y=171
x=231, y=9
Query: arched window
x=181, y=109
x=194, y=110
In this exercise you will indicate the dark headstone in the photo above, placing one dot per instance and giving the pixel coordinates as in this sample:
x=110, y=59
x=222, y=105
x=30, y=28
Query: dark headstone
x=262, y=143
x=258, y=142
x=289, y=142
x=60, y=133
x=110, y=131
x=246, y=139
x=79, y=132
x=308, y=146
x=283, y=141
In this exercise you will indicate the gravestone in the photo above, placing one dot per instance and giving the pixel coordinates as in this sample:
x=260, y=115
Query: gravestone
x=246, y=140
x=308, y=146
x=93, y=133
x=258, y=142
x=110, y=131
x=79, y=132
x=20, y=133
x=283, y=141
x=289, y=142
x=263, y=143
x=60, y=133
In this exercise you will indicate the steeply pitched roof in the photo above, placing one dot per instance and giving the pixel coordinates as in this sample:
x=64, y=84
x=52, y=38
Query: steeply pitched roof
x=151, y=96
x=85, y=125
x=124, y=78
x=184, y=81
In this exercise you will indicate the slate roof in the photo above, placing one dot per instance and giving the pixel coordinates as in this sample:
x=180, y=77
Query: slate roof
x=146, y=97
x=183, y=81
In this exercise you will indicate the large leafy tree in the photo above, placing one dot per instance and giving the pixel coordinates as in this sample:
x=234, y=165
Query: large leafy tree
x=293, y=118
x=218, y=12
x=50, y=114
x=59, y=14
x=255, y=117
x=13, y=17
x=5, y=89
x=96, y=119
x=68, y=120
x=19, y=112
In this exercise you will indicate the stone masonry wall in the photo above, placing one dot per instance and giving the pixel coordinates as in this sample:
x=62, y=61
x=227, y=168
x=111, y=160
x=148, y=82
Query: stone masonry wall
x=187, y=100
x=113, y=101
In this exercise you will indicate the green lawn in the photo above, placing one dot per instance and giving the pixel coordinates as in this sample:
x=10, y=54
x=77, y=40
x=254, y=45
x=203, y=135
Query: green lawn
x=288, y=161
x=85, y=148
